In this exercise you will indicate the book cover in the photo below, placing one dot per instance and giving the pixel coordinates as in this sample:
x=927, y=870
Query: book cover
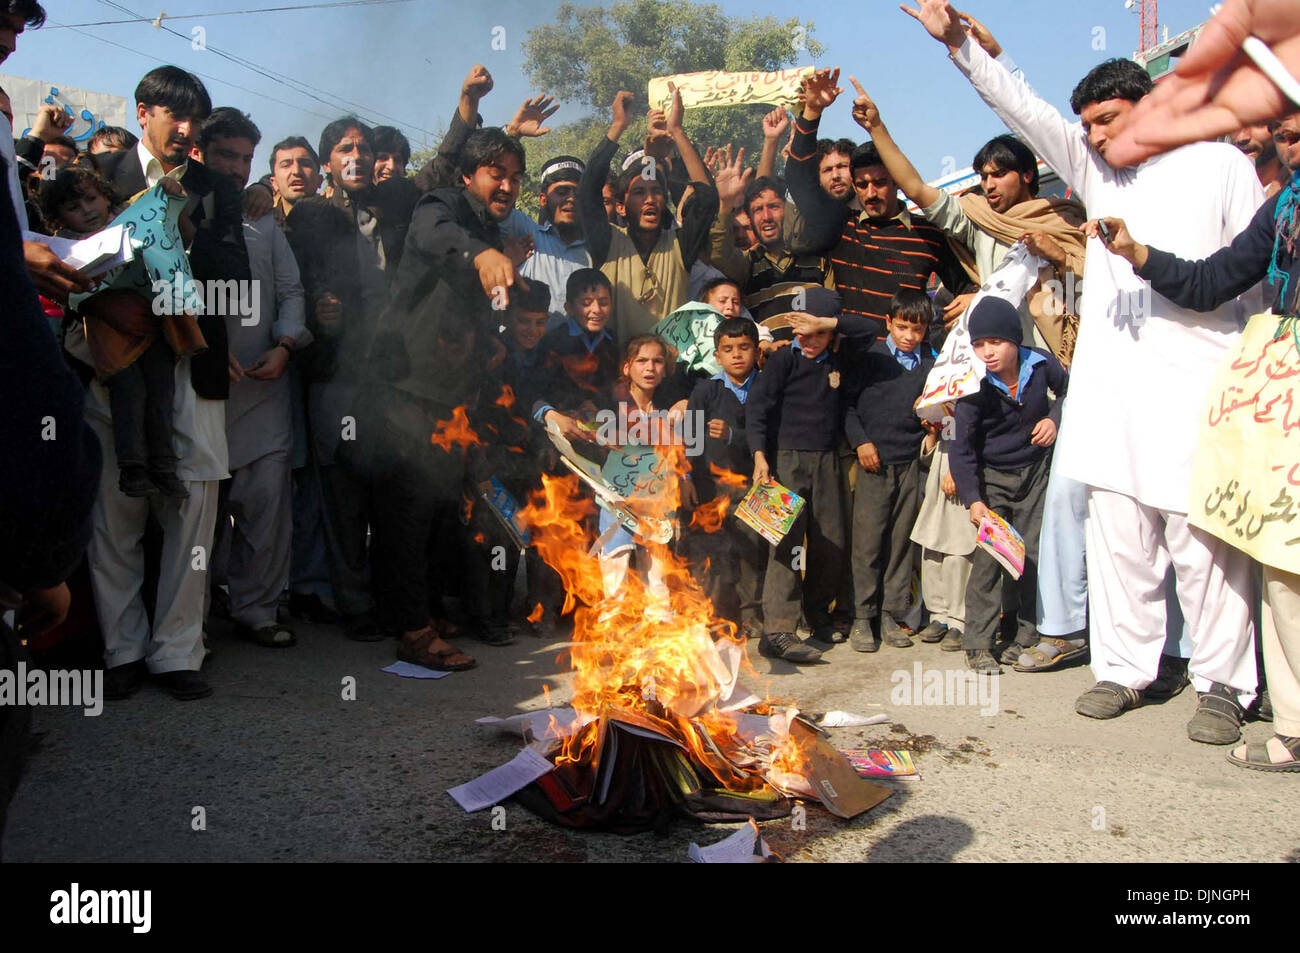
x=770, y=509
x=880, y=763
x=1002, y=542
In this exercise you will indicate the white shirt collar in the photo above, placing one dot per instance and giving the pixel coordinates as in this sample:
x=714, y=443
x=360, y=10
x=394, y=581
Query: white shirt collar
x=152, y=166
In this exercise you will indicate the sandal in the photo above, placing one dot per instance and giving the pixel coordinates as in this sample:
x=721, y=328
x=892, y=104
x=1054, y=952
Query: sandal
x=417, y=651
x=1257, y=757
x=1107, y=700
x=273, y=635
x=1048, y=654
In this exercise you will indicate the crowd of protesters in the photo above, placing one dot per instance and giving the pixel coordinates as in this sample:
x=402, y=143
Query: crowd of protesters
x=419, y=335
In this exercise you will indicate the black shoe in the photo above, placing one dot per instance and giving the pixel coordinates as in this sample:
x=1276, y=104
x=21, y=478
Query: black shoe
x=492, y=634
x=123, y=681
x=828, y=635
x=861, y=637
x=169, y=486
x=934, y=632
x=1218, y=717
x=951, y=640
x=892, y=633
x=1010, y=652
x=184, y=685
x=309, y=608
x=362, y=628
x=1171, y=678
x=134, y=481
x=982, y=660
x=784, y=645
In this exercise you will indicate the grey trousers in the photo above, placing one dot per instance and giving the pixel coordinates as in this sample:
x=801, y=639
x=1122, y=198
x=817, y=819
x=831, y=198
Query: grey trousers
x=885, y=507
x=818, y=535
x=258, y=497
x=1017, y=496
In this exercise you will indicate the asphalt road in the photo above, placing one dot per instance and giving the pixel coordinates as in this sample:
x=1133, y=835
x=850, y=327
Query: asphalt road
x=285, y=769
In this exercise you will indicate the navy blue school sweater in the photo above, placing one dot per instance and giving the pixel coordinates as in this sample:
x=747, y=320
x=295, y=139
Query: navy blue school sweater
x=795, y=403
x=882, y=412
x=574, y=372
x=716, y=401
x=993, y=428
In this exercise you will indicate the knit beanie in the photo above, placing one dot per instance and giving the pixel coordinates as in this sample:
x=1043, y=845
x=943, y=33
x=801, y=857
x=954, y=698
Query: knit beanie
x=995, y=318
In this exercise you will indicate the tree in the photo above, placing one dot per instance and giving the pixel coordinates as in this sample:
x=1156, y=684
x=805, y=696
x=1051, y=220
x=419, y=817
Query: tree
x=589, y=53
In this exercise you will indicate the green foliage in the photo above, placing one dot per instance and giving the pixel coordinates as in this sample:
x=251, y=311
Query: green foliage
x=590, y=53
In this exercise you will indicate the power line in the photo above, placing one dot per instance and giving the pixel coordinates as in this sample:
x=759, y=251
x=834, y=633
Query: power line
x=229, y=13
x=295, y=85
x=215, y=79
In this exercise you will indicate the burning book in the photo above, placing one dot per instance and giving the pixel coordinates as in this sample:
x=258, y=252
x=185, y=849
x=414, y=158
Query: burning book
x=651, y=736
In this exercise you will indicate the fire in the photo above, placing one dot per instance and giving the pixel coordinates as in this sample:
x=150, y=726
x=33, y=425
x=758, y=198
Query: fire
x=709, y=516
x=456, y=431
x=536, y=614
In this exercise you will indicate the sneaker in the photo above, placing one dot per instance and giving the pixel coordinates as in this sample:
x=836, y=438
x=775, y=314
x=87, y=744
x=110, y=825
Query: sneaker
x=123, y=681
x=982, y=660
x=186, y=686
x=308, y=607
x=934, y=632
x=134, y=481
x=951, y=641
x=861, y=637
x=892, y=633
x=1218, y=717
x=784, y=645
x=169, y=486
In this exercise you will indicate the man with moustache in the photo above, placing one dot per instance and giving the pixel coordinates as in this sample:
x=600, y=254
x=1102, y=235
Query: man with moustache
x=1256, y=143
x=427, y=364
x=295, y=174
x=559, y=247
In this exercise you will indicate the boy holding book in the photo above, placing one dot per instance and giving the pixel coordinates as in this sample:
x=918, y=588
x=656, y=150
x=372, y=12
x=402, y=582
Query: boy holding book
x=1001, y=455
x=793, y=418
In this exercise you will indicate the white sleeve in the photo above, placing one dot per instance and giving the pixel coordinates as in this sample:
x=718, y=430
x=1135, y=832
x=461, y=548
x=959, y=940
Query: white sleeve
x=1062, y=145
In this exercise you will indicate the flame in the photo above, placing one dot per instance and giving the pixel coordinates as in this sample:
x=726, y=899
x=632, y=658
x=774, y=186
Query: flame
x=536, y=614
x=456, y=431
x=709, y=516
x=726, y=477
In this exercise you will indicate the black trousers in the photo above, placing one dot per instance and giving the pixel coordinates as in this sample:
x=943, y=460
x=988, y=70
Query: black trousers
x=729, y=566
x=815, y=543
x=885, y=507
x=414, y=482
x=140, y=397
x=1017, y=496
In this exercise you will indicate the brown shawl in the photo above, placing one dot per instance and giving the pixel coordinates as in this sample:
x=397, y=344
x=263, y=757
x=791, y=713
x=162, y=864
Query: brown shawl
x=1055, y=319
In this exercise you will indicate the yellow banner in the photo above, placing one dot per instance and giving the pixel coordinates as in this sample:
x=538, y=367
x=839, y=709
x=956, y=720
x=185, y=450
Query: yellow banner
x=716, y=88
x=1246, y=478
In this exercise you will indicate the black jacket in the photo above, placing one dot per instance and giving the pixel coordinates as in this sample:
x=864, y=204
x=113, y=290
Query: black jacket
x=715, y=401
x=217, y=253
x=795, y=403
x=882, y=412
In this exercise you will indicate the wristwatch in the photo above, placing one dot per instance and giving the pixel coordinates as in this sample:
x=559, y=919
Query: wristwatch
x=287, y=345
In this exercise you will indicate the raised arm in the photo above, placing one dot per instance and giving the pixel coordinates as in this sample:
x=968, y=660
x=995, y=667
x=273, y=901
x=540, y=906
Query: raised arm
x=690, y=158
x=867, y=115
x=823, y=216
x=1062, y=145
x=591, y=206
x=775, y=125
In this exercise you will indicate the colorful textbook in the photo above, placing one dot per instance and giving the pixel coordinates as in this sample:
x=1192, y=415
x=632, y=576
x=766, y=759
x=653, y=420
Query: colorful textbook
x=879, y=763
x=770, y=509
x=1002, y=542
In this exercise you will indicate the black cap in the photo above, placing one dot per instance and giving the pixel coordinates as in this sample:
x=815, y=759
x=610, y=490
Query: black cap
x=561, y=169
x=995, y=318
x=821, y=302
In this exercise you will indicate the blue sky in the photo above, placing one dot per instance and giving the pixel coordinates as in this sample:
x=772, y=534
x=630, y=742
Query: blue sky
x=406, y=60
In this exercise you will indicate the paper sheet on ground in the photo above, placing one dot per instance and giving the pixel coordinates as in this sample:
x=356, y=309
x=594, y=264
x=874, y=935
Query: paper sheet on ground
x=547, y=723
x=848, y=719
x=1246, y=474
x=744, y=846
x=499, y=783
x=407, y=670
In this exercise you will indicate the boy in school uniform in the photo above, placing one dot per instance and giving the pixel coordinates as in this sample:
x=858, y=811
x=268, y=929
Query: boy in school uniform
x=580, y=358
x=793, y=418
x=1001, y=456
x=737, y=555
x=883, y=429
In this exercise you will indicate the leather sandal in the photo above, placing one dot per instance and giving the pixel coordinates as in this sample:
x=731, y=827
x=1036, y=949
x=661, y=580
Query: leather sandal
x=418, y=651
x=1107, y=700
x=1257, y=757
